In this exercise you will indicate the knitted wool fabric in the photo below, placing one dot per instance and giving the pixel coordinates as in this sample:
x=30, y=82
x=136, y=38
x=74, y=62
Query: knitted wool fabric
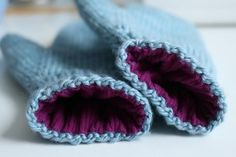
x=71, y=103
x=163, y=57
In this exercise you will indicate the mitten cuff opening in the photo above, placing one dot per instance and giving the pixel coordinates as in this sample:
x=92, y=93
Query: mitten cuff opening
x=100, y=111
x=186, y=96
x=91, y=108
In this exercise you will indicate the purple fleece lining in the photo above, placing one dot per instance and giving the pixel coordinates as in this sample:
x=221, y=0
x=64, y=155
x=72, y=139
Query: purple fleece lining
x=89, y=109
x=173, y=79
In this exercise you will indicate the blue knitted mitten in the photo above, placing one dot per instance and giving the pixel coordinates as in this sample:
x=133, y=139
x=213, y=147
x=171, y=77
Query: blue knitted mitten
x=73, y=99
x=163, y=57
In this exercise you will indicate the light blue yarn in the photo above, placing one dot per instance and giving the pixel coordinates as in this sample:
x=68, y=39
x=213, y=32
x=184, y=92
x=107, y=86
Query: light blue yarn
x=45, y=71
x=159, y=102
x=141, y=26
x=76, y=81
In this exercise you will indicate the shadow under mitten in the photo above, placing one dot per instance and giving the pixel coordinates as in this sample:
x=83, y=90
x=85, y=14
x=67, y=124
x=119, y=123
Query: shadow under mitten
x=163, y=57
x=72, y=104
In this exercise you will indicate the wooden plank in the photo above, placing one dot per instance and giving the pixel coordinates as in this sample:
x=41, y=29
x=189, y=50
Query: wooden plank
x=16, y=10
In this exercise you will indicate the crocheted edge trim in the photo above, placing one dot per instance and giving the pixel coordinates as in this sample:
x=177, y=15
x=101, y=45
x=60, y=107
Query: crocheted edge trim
x=159, y=102
x=46, y=92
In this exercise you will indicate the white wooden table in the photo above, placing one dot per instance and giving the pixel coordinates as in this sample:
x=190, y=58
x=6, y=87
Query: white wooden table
x=16, y=139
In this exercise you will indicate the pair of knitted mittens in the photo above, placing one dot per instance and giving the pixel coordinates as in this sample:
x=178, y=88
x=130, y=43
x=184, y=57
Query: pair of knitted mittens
x=97, y=83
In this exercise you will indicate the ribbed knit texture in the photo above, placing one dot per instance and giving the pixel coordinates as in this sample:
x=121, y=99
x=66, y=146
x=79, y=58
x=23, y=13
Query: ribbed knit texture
x=152, y=30
x=46, y=72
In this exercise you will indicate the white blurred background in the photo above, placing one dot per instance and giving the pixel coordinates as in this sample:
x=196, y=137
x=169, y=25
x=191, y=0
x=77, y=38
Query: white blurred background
x=204, y=13
x=20, y=14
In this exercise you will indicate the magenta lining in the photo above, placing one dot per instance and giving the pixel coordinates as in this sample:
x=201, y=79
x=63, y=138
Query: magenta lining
x=92, y=108
x=174, y=80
